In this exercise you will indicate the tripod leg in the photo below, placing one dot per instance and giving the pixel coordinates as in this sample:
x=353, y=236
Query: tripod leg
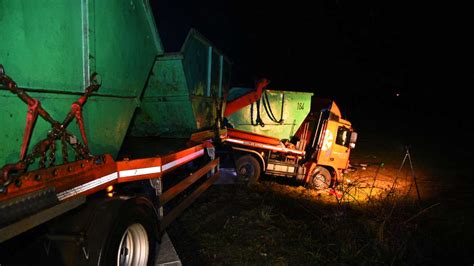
x=398, y=174
x=414, y=177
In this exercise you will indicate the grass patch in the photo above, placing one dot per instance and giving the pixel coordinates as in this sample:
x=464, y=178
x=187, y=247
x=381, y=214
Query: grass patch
x=362, y=222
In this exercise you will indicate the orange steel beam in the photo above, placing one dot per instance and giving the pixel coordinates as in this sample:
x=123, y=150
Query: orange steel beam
x=88, y=176
x=184, y=184
x=172, y=161
x=76, y=176
x=239, y=103
x=263, y=146
x=185, y=203
x=139, y=169
x=244, y=135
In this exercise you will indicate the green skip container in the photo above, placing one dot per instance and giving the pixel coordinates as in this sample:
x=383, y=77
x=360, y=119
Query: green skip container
x=275, y=123
x=51, y=48
x=184, y=91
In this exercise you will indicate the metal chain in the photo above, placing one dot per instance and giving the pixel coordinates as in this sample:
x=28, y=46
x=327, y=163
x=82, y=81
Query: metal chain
x=52, y=153
x=42, y=162
x=58, y=132
x=64, y=147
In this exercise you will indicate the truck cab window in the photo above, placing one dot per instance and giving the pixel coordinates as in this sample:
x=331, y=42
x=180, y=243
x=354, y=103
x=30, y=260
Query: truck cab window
x=343, y=135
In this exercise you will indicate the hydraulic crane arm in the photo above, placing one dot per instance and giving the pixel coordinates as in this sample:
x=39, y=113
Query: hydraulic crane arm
x=247, y=99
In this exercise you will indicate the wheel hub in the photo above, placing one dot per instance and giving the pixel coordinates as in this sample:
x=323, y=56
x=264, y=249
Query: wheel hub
x=319, y=181
x=246, y=171
x=133, y=249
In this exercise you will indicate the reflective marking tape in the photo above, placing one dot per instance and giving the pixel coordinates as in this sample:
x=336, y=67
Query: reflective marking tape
x=269, y=147
x=140, y=171
x=90, y=185
x=235, y=141
x=186, y=158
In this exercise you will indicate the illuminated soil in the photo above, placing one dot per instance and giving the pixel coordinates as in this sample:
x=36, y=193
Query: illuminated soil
x=372, y=218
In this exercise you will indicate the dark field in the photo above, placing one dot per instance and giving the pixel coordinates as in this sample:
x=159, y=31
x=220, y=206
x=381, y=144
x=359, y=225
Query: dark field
x=370, y=222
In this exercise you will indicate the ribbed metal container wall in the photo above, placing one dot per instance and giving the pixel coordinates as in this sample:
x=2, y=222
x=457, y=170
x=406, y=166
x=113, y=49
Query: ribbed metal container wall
x=296, y=106
x=51, y=47
x=184, y=90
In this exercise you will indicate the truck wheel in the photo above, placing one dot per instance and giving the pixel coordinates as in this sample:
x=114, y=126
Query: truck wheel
x=132, y=240
x=248, y=169
x=320, y=179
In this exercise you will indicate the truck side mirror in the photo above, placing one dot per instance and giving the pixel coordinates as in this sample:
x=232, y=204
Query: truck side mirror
x=353, y=139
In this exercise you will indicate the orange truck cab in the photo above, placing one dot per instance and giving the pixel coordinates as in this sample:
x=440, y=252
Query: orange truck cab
x=317, y=154
x=330, y=143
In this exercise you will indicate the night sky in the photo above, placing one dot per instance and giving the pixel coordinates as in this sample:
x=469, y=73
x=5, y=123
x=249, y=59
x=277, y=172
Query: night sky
x=327, y=46
x=359, y=53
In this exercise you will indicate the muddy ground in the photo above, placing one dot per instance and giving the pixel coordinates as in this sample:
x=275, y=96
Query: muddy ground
x=373, y=217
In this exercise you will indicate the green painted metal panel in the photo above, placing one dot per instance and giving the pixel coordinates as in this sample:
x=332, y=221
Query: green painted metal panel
x=57, y=45
x=175, y=102
x=205, y=112
x=296, y=106
x=165, y=109
x=173, y=117
x=196, y=54
x=167, y=78
x=126, y=43
x=226, y=75
x=215, y=73
x=41, y=43
x=51, y=47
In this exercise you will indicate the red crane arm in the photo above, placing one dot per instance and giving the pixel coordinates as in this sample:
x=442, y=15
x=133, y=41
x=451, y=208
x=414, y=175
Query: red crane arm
x=249, y=98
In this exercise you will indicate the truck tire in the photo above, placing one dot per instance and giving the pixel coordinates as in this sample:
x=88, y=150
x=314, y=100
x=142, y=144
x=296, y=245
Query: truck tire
x=248, y=169
x=132, y=240
x=320, y=179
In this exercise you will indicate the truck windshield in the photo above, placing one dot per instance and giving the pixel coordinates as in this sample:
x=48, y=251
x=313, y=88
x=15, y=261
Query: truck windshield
x=343, y=136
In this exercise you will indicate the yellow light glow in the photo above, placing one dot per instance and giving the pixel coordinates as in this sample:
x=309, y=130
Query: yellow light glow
x=109, y=188
x=110, y=194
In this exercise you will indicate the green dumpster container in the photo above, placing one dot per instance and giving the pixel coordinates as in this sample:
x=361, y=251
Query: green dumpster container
x=51, y=48
x=296, y=106
x=184, y=90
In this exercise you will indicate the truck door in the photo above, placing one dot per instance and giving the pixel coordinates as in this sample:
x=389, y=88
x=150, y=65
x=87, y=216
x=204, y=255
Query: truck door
x=335, y=149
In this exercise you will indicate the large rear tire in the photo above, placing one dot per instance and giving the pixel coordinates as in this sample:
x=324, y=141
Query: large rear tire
x=132, y=239
x=248, y=169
